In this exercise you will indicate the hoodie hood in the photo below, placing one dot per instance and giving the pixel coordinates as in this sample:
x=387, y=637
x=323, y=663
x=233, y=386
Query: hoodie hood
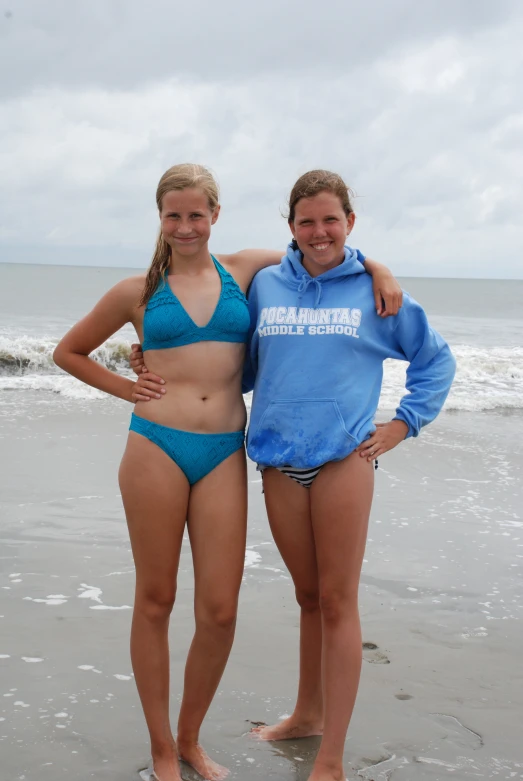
x=298, y=277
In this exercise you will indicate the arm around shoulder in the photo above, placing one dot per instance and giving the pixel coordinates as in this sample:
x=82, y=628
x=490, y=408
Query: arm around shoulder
x=246, y=263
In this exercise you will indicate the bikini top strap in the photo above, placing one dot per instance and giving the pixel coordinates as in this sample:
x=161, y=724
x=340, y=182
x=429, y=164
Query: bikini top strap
x=217, y=264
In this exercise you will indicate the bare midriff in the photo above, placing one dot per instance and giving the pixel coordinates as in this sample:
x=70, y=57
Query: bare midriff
x=203, y=388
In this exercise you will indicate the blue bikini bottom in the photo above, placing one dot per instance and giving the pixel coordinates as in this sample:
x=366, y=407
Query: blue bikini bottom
x=195, y=454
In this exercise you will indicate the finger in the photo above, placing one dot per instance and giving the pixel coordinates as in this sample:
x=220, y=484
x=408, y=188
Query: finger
x=378, y=301
x=367, y=448
x=388, y=309
x=145, y=370
x=152, y=386
x=135, y=347
x=151, y=391
x=395, y=304
x=140, y=397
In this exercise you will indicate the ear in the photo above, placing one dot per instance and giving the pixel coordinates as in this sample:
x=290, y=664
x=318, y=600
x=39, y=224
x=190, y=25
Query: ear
x=215, y=214
x=351, y=219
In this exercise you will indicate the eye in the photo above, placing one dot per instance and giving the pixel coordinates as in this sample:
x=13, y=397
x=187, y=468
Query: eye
x=196, y=216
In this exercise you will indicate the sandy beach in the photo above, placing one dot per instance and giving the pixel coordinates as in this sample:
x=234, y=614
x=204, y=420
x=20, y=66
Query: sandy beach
x=441, y=691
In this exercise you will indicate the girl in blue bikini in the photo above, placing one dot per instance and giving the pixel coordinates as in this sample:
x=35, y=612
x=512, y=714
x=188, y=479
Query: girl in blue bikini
x=185, y=461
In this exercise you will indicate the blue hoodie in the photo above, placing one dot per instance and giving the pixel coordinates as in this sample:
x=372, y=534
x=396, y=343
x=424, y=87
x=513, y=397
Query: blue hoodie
x=316, y=362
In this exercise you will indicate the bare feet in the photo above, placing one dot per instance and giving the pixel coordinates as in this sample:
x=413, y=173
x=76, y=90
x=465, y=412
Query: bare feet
x=322, y=773
x=289, y=729
x=163, y=769
x=195, y=756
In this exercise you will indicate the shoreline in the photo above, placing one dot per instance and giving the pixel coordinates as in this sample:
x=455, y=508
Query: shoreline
x=440, y=598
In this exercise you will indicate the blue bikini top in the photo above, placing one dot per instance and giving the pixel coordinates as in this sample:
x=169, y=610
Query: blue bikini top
x=167, y=324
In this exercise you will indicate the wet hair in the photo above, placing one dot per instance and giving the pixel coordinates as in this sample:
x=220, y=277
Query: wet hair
x=179, y=177
x=319, y=181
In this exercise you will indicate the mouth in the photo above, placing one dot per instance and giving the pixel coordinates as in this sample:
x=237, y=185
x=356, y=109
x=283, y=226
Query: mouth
x=185, y=240
x=321, y=246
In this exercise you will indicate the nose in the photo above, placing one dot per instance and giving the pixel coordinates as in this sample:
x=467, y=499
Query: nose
x=184, y=228
x=319, y=230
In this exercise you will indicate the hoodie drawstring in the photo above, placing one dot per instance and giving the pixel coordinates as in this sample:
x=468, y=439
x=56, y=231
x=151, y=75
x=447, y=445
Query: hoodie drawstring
x=304, y=284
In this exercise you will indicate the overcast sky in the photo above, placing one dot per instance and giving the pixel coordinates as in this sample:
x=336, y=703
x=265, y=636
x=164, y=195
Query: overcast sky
x=419, y=106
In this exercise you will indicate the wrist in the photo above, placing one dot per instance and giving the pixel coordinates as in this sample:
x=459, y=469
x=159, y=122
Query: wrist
x=127, y=391
x=401, y=426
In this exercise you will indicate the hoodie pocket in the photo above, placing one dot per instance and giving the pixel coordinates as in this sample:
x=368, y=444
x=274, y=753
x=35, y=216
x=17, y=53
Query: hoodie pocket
x=302, y=433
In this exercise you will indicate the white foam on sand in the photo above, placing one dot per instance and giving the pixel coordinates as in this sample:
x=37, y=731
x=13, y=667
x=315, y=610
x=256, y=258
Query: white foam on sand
x=52, y=599
x=251, y=558
x=31, y=659
x=90, y=592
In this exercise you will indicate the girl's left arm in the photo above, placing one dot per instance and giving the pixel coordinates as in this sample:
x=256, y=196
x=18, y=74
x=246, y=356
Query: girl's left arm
x=430, y=374
x=387, y=291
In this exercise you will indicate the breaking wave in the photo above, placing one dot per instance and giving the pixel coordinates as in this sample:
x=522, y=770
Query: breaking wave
x=487, y=378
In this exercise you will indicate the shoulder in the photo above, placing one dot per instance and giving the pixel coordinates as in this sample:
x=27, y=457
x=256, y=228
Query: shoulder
x=268, y=273
x=128, y=291
x=245, y=264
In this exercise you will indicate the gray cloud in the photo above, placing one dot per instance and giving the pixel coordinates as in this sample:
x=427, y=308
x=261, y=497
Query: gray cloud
x=417, y=105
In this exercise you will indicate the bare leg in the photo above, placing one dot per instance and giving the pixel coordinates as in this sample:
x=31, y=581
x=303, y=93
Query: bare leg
x=155, y=494
x=288, y=509
x=217, y=522
x=341, y=498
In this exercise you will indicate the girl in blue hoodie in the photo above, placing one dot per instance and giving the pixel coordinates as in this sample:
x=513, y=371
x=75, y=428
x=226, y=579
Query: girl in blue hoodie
x=316, y=366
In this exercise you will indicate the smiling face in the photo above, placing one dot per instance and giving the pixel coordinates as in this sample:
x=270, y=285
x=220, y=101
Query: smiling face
x=320, y=228
x=186, y=219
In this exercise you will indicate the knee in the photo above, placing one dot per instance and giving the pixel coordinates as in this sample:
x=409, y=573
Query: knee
x=337, y=605
x=155, y=604
x=219, y=615
x=308, y=599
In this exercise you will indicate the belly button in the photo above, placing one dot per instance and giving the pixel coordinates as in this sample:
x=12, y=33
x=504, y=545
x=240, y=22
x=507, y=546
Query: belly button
x=204, y=398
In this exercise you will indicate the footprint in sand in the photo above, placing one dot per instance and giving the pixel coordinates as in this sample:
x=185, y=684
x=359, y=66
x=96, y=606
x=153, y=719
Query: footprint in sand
x=457, y=732
x=373, y=655
x=402, y=696
x=383, y=769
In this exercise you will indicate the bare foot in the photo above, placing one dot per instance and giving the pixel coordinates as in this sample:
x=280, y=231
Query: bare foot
x=327, y=774
x=288, y=729
x=163, y=769
x=195, y=756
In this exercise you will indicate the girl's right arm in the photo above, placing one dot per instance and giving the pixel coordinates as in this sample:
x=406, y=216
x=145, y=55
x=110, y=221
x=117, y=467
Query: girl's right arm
x=118, y=307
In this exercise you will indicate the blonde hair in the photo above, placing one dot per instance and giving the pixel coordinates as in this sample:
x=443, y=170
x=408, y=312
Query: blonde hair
x=179, y=177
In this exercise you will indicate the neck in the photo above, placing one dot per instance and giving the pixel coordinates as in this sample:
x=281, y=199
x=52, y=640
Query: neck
x=190, y=265
x=315, y=270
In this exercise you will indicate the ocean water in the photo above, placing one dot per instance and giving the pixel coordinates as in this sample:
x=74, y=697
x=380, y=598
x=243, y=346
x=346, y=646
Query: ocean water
x=481, y=319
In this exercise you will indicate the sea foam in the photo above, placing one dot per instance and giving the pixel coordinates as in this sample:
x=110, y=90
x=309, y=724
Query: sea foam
x=487, y=378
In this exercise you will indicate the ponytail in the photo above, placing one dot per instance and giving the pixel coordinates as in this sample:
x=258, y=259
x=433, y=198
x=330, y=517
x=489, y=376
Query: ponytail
x=158, y=268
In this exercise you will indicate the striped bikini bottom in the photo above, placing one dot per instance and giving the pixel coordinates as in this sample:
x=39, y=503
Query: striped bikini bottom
x=304, y=477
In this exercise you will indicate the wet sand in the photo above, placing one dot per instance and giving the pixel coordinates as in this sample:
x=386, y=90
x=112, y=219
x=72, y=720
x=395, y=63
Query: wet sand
x=441, y=599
